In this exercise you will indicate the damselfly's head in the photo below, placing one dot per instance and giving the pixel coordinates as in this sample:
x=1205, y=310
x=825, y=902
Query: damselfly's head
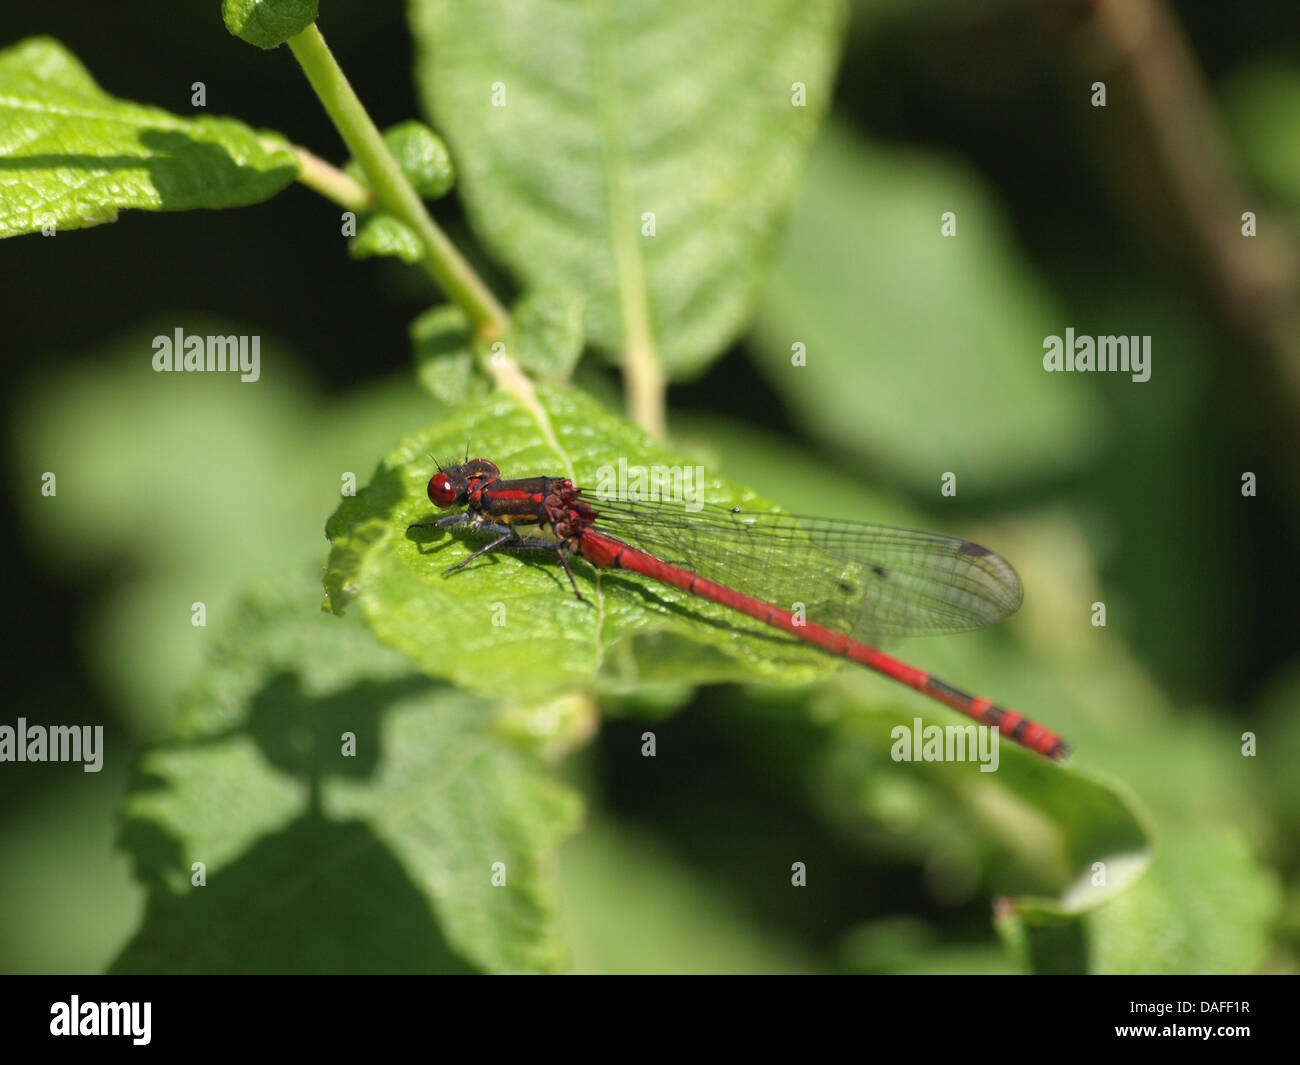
x=451, y=486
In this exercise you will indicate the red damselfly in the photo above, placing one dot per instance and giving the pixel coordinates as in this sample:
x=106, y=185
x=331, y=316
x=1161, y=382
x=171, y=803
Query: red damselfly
x=845, y=582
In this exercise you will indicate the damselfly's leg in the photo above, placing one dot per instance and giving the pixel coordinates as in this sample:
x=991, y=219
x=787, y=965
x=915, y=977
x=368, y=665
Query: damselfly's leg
x=533, y=543
x=564, y=561
x=442, y=523
x=507, y=538
x=507, y=535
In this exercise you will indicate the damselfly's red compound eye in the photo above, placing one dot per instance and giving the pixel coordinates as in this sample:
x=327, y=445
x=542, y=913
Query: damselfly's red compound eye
x=442, y=493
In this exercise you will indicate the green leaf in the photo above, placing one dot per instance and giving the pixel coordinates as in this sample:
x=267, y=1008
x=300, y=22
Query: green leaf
x=571, y=123
x=422, y=157
x=545, y=338
x=442, y=342
x=268, y=23
x=319, y=861
x=517, y=612
x=1097, y=822
x=382, y=234
x=547, y=332
x=1205, y=907
x=918, y=347
x=73, y=156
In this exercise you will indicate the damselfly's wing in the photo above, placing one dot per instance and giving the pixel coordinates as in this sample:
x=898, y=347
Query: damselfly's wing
x=870, y=581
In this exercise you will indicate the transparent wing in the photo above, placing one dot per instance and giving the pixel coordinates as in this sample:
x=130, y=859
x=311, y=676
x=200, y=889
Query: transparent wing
x=867, y=580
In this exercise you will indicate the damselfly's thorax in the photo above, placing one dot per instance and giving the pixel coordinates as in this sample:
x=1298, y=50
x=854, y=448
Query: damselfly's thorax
x=567, y=512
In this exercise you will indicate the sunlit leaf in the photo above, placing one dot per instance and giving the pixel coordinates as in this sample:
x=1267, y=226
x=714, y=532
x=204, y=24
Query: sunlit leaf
x=573, y=124
x=73, y=156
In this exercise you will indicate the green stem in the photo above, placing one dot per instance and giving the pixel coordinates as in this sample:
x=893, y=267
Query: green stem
x=645, y=382
x=393, y=192
x=329, y=181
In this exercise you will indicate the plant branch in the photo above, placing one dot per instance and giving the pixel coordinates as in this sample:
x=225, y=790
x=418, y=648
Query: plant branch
x=327, y=179
x=392, y=192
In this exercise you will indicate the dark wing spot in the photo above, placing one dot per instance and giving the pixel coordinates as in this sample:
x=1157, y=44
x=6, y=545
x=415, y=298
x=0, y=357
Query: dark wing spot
x=968, y=548
x=879, y=571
